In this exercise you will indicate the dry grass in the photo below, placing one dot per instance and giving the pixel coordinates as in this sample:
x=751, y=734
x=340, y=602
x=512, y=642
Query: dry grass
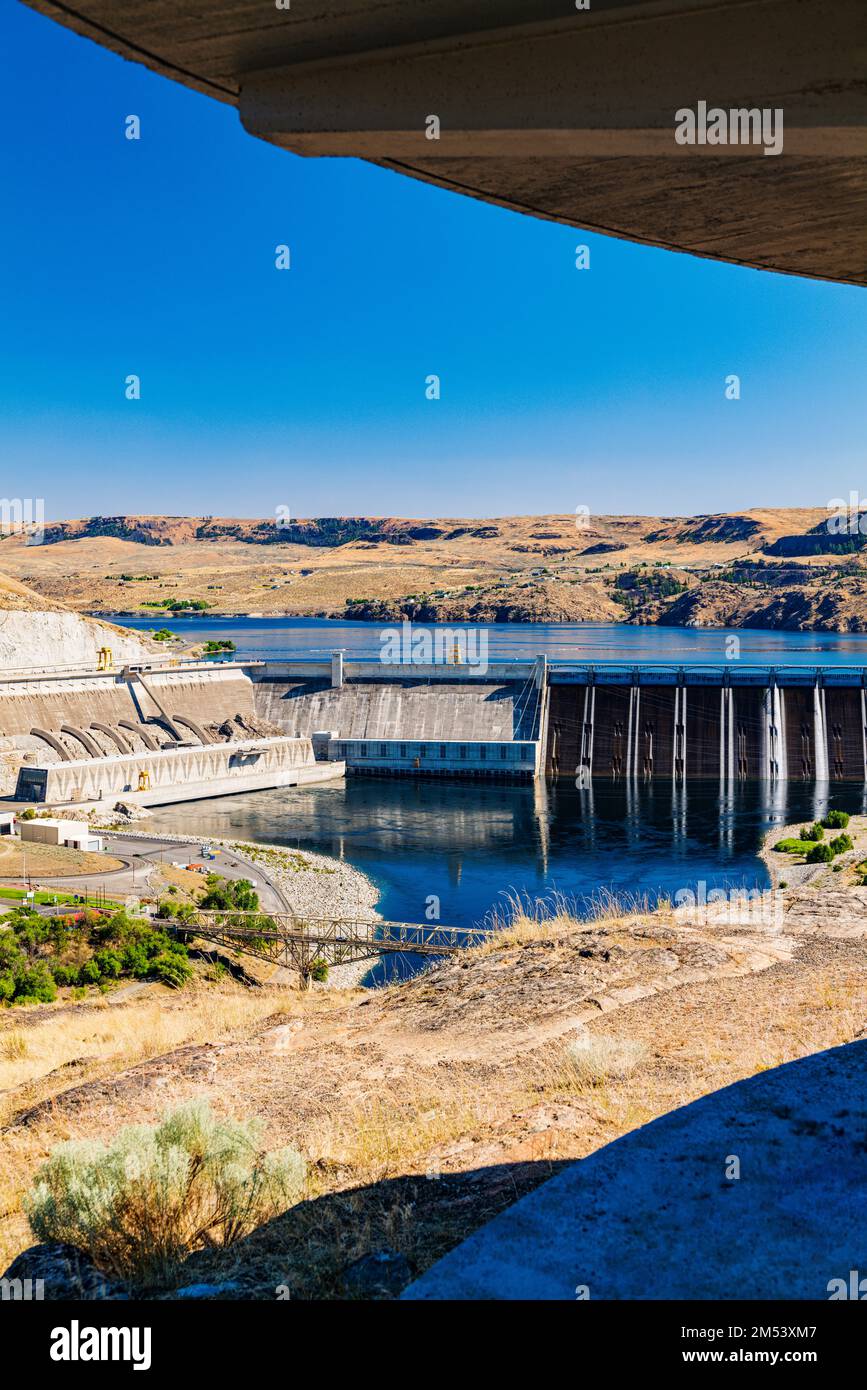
x=239, y=577
x=190, y=885
x=13, y=1046
x=526, y=921
x=102, y=1038
x=392, y=1133
x=597, y=1059
x=53, y=861
x=833, y=995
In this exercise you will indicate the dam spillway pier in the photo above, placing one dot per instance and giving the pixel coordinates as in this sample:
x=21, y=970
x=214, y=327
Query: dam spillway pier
x=160, y=733
x=732, y=722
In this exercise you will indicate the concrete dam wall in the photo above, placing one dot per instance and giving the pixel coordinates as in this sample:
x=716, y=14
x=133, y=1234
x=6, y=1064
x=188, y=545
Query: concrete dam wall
x=432, y=724
x=516, y=721
x=175, y=774
x=399, y=709
x=157, y=734
x=146, y=735
x=730, y=732
x=49, y=703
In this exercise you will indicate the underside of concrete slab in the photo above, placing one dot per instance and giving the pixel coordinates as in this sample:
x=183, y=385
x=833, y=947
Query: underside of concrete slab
x=571, y=117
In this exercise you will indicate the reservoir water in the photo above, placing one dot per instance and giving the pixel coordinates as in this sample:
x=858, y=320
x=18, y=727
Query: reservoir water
x=469, y=845
x=318, y=637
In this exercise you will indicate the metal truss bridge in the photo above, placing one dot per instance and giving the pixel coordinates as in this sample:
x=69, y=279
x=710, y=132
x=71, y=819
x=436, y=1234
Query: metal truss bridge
x=303, y=943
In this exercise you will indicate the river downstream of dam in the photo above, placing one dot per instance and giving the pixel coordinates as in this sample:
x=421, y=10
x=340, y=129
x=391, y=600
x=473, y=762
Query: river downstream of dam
x=463, y=848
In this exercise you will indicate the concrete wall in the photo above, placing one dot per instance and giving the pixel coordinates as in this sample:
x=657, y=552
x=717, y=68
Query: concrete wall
x=203, y=695
x=185, y=773
x=399, y=709
x=501, y=761
x=50, y=703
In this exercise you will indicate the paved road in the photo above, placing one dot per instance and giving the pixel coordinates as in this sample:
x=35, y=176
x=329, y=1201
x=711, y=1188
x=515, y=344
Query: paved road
x=140, y=853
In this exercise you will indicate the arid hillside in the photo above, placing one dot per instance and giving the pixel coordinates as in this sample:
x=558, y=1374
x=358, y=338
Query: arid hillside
x=760, y=568
x=425, y=1108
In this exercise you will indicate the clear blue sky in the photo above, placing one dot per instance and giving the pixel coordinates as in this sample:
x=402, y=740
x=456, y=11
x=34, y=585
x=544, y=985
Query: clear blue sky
x=306, y=388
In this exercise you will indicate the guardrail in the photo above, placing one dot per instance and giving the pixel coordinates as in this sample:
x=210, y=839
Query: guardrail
x=497, y=668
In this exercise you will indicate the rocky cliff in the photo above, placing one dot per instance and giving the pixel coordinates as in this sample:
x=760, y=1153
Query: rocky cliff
x=37, y=632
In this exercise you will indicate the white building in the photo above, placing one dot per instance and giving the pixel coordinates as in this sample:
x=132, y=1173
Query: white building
x=7, y=822
x=72, y=834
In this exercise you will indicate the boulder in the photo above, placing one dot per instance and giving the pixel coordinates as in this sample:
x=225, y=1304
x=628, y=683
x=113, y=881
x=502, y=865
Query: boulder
x=64, y=1272
x=382, y=1274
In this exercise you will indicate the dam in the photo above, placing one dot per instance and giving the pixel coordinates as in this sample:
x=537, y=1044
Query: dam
x=158, y=733
x=732, y=723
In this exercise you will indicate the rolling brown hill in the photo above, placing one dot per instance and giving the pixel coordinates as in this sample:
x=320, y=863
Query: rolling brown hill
x=741, y=569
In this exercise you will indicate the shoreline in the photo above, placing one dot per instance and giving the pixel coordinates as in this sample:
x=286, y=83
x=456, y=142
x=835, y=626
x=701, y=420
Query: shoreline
x=333, y=881
x=520, y=620
x=337, y=889
x=790, y=870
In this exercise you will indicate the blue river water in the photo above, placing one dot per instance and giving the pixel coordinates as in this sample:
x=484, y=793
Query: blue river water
x=317, y=637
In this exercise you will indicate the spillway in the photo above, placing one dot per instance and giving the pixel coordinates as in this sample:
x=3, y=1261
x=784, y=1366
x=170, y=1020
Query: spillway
x=166, y=732
x=734, y=726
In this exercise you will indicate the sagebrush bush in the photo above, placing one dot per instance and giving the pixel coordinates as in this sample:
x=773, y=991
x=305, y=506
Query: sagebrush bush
x=597, y=1058
x=842, y=843
x=142, y=1203
x=820, y=854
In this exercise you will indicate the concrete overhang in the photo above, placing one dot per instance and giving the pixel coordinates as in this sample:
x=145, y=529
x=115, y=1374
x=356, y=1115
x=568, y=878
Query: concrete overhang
x=570, y=117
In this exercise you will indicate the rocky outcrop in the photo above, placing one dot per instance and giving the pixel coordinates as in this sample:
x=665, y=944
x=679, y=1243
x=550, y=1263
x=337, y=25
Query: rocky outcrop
x=696, y=530
x=58, y=1273
x=32, y=639
x=543, y=602
x=819, y=541
x=243, y=726
x=814, y=608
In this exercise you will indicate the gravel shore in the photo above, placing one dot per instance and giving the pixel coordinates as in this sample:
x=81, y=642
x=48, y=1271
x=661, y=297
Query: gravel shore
x=315, y=885
x=794, y=872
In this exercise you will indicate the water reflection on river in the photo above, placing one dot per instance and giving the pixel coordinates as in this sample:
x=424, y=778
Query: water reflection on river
x=471, y=844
